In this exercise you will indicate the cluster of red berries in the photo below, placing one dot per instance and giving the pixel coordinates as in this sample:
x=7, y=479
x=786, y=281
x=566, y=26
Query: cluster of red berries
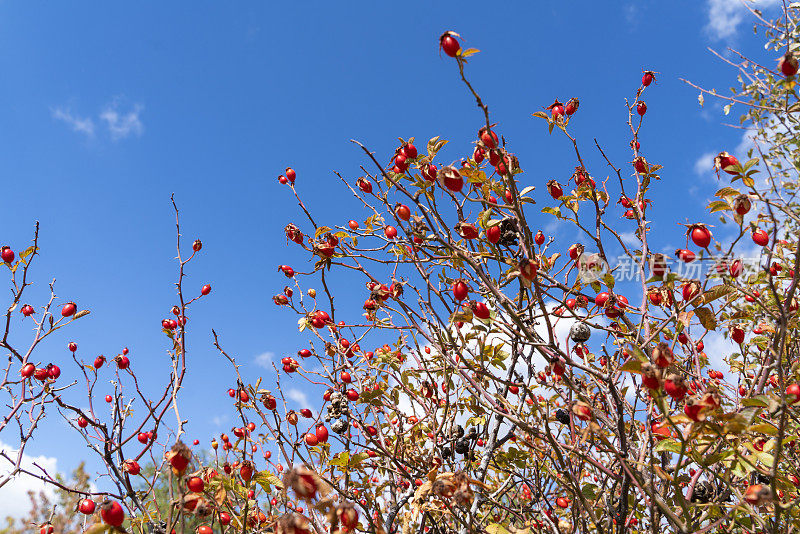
x=49, y=372
x=288, y=178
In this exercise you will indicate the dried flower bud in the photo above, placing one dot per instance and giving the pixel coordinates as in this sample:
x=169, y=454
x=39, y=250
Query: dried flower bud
x=663, y=356
x=292, y=524
x=179, y=457
x=304, y=482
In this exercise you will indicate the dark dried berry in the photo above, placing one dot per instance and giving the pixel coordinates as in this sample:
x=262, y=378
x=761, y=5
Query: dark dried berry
x=703, y=492
x=462, y=446
x=562, y=416
x=509, y=232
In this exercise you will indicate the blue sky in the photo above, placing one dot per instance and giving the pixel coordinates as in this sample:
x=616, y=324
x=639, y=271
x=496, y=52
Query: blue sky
x=106, y=111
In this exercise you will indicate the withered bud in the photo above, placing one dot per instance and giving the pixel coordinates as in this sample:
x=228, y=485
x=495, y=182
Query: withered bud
x=179, y=457
x=345, y=516
x=758, y=494
x=304, y=482
x=662, y=355
x=292, y=524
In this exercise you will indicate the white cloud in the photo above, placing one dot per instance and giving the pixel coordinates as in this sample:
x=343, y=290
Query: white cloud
x=297, y=396
x=705, y=164
x=122, y=125
x=629, y=238
x=265, y=359
x=14, y=499
x=219, y=420
x=77, y=124
x=724, y=16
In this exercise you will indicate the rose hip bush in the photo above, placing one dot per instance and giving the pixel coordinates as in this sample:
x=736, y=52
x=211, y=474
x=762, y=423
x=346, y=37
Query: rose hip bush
x=495, y=379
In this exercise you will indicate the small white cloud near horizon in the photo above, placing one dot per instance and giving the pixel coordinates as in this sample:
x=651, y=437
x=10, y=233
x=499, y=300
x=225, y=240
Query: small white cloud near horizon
x=14, y=499
x=724, y=16
x=123, y=124
x=77, y=124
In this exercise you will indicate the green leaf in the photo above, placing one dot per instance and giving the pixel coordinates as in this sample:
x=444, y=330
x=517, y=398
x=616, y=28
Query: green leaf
x=716, y=292
x=750, y=163
x=764, y=428
x=28, y=251
x=552, y=211
x=340, y=459
x=608, y=278
x=633, y=365
x=707, y=318
x=322, y=230
x=761, y=401
x=727, y=192
x=589, y=491
x=668, y=445
x=496, y=528
x=718, y=205
x=265, y=479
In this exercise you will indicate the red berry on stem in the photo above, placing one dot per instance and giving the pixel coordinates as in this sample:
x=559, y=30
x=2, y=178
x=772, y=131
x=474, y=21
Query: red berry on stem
x=402, y=211
x=788, y=64
x=195, y=484
x=724, y=160
x=7, y=254
x=460, y=290
x=112, y=513
x=449, y=44
x=205, y=290
x=27, y=370
x=648, y=77
x=69, y=309
x=132, y=467
x=86, y=507
x=489, y=139
x=760, y=237
x=641, y=108
x=493, y=234
x=322, y=433
x=555, y=190
x=572, y=106
x=701, y=236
